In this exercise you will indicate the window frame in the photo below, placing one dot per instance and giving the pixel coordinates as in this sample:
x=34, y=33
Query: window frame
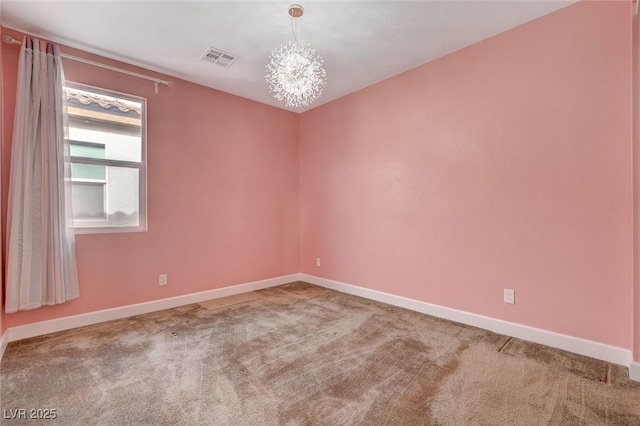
x=140, y=166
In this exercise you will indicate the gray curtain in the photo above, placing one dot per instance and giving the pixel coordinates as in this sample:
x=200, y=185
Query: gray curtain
x=41, y=265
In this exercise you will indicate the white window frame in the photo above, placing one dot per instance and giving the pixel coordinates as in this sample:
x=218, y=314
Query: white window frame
x=140, y=166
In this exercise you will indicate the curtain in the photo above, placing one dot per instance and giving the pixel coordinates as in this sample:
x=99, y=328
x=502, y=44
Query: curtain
x=41, y=266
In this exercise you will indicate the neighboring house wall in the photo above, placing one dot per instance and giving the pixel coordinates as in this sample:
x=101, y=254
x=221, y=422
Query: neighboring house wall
x=222, y=189
x=506, y=164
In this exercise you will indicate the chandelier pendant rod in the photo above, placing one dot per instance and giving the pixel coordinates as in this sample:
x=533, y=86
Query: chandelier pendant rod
x=293, y=29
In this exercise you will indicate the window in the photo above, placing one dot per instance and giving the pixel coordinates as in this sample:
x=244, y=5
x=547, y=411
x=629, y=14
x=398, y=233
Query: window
x=107, y=150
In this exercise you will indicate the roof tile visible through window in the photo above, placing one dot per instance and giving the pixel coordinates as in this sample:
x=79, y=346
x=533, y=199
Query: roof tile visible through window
x=113, y=105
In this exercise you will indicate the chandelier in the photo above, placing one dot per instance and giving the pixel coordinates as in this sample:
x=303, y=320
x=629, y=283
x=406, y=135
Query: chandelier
x=295, y=72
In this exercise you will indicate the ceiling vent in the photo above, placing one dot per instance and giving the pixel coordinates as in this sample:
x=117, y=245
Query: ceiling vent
x=218, y=57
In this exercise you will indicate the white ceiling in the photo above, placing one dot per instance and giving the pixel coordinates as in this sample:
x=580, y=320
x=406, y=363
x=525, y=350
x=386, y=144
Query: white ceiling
x=362, y=42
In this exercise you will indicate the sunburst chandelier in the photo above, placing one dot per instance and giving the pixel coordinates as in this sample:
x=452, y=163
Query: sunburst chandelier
x=295, y=73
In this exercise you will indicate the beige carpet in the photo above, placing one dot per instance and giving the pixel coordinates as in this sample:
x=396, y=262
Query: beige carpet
x=303, y=355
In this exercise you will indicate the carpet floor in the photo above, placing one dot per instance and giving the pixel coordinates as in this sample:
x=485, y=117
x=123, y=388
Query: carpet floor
x=298, y=354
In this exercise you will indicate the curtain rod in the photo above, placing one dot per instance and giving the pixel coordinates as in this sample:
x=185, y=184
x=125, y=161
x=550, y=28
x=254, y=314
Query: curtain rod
x=10, y=40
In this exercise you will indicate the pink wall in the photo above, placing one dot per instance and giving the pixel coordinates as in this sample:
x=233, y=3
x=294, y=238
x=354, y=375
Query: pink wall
x=222, y=195
x=2, y=125
x=504, y=165
x=636, y=180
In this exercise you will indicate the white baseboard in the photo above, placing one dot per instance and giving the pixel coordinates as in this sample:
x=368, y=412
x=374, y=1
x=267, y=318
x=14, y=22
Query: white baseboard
x=4, y=341
x=577, y=345
x=51, y=326
x=634, y=371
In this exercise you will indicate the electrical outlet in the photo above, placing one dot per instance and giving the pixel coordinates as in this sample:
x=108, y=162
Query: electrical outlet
x=162, y=280
x=509, y=296
x=318, y=262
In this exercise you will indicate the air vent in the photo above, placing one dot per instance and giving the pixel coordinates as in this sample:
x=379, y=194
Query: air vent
x=218, y=57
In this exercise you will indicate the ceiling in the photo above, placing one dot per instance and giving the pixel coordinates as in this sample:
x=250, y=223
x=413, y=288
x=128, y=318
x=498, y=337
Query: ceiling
x=361, y=42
